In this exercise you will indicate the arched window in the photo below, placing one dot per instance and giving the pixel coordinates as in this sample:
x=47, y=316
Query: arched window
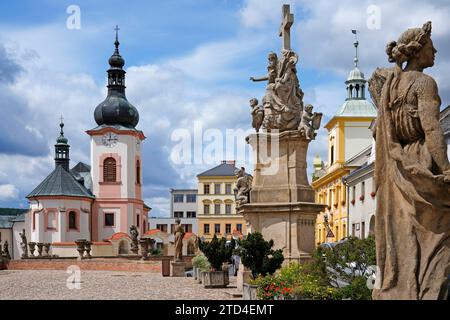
x=73, y=220
x=109, y=170
x=138, y=172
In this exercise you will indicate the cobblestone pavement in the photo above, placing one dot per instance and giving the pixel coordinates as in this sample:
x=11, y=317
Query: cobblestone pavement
x=105, y=285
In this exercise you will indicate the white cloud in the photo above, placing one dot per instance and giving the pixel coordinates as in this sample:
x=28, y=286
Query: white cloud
x=8, y=192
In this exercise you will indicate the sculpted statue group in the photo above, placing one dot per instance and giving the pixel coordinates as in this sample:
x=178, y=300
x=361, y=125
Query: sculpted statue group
x=412, y=174
x=282, y=106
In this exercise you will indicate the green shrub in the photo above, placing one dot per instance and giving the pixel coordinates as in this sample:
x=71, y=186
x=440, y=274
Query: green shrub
x=258, y=255
x=201, y=262
x=217, y=251
x=156, y=252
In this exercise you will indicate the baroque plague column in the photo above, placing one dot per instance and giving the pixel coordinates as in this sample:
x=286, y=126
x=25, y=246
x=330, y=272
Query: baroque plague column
x=281, y=204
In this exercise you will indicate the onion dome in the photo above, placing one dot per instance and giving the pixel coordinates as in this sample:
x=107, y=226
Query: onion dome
x=115, y=109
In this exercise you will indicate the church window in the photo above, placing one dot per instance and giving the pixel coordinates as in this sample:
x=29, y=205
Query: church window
x=332, y=155
x=138, y=172
x=109, y=170
x=51, y=220
x=72, y=220
x=109, y=219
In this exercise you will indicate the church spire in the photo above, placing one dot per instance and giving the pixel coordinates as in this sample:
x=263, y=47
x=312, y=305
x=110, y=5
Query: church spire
x=356, y=83
x=356, y=44
x=115, y=109
x=62, y=149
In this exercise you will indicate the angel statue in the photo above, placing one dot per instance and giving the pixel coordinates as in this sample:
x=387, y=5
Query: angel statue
x=412, y=174
x=310, y=122
x=257, y=114
x=243, y=187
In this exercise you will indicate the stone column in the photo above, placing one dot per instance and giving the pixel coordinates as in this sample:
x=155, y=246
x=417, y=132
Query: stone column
x=282, y=203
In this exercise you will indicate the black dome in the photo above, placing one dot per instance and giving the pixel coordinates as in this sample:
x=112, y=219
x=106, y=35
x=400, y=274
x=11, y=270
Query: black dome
x=116, y=109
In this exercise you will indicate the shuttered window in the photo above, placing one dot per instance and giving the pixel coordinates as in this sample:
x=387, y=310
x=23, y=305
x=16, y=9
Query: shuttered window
x=109, y=170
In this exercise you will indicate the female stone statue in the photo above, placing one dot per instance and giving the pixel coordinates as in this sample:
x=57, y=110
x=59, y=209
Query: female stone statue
x=179, y=235
x=412, y=174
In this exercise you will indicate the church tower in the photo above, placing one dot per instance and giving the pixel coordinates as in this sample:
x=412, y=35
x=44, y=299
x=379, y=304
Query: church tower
x=348, y=134
x=116, y=159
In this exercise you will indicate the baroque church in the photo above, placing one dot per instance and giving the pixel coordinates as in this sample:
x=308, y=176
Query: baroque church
x=96, y=201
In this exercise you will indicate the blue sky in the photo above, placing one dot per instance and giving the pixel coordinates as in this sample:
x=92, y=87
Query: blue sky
x=186, y=61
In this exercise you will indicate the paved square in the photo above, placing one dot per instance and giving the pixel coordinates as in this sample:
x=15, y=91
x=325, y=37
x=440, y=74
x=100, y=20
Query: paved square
x=104, y=285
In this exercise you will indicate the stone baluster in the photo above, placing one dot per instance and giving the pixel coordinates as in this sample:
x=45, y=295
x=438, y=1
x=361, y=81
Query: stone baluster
x=80, y=247
x=32, y=246
x=47, y=249
x=40, y=246
x=88, y=248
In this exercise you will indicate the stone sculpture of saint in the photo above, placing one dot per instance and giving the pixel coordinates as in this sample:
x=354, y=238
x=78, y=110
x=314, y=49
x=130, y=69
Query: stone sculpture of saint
x=412, y=174
x=23, y=244
x=179, y=235
x=243, y=187
x=134, y=233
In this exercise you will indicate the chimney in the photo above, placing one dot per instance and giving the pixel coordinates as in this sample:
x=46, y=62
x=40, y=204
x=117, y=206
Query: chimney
x=232, y=162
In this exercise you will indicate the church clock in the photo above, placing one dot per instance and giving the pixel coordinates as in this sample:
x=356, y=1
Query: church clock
x=109, y=139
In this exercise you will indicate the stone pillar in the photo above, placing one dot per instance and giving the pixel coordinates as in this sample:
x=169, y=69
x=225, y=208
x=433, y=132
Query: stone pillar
x=282, y=203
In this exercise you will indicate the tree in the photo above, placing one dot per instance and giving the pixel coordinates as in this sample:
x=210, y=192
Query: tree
x=258, y=255
x=217, y=251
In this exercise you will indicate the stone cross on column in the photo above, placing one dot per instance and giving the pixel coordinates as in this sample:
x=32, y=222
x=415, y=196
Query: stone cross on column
x=285, y=28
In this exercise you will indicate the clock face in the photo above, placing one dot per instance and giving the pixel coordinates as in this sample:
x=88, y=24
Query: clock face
x=110, y=139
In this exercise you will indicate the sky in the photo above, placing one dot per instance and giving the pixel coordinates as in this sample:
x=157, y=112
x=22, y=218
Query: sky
x=188, y=65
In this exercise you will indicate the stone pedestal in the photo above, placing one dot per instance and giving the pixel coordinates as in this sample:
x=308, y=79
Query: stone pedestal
x=178, y=269
x=243, y=276
x=282, y=203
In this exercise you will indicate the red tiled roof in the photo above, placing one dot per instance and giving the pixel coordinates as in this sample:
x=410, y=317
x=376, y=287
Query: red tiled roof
x=153, y=231
x=187, y=235
x=118, y=236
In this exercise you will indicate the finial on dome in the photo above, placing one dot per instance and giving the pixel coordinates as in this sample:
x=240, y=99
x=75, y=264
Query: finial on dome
x=356, y=44
x=117, y=43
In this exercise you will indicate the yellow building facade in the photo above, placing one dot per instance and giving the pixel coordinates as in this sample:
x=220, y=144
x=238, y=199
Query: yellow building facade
x=348, y=133
x=216, y=211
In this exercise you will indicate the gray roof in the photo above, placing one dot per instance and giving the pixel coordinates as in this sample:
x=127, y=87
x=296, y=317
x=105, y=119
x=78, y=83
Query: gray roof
x=60, y=183
x=9, y=215
x=222, y=170
x=82, y=173
x=357, y=108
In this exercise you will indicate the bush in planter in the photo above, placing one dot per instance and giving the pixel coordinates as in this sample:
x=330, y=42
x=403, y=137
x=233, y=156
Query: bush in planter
x=217, y=251
x=258, y=255
x=201, y=262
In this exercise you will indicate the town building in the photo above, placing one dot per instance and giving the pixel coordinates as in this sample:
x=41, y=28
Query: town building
x=361, y=194
x=98, y=200
x=348, y=134
x=216, y=203
x=183, y=205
